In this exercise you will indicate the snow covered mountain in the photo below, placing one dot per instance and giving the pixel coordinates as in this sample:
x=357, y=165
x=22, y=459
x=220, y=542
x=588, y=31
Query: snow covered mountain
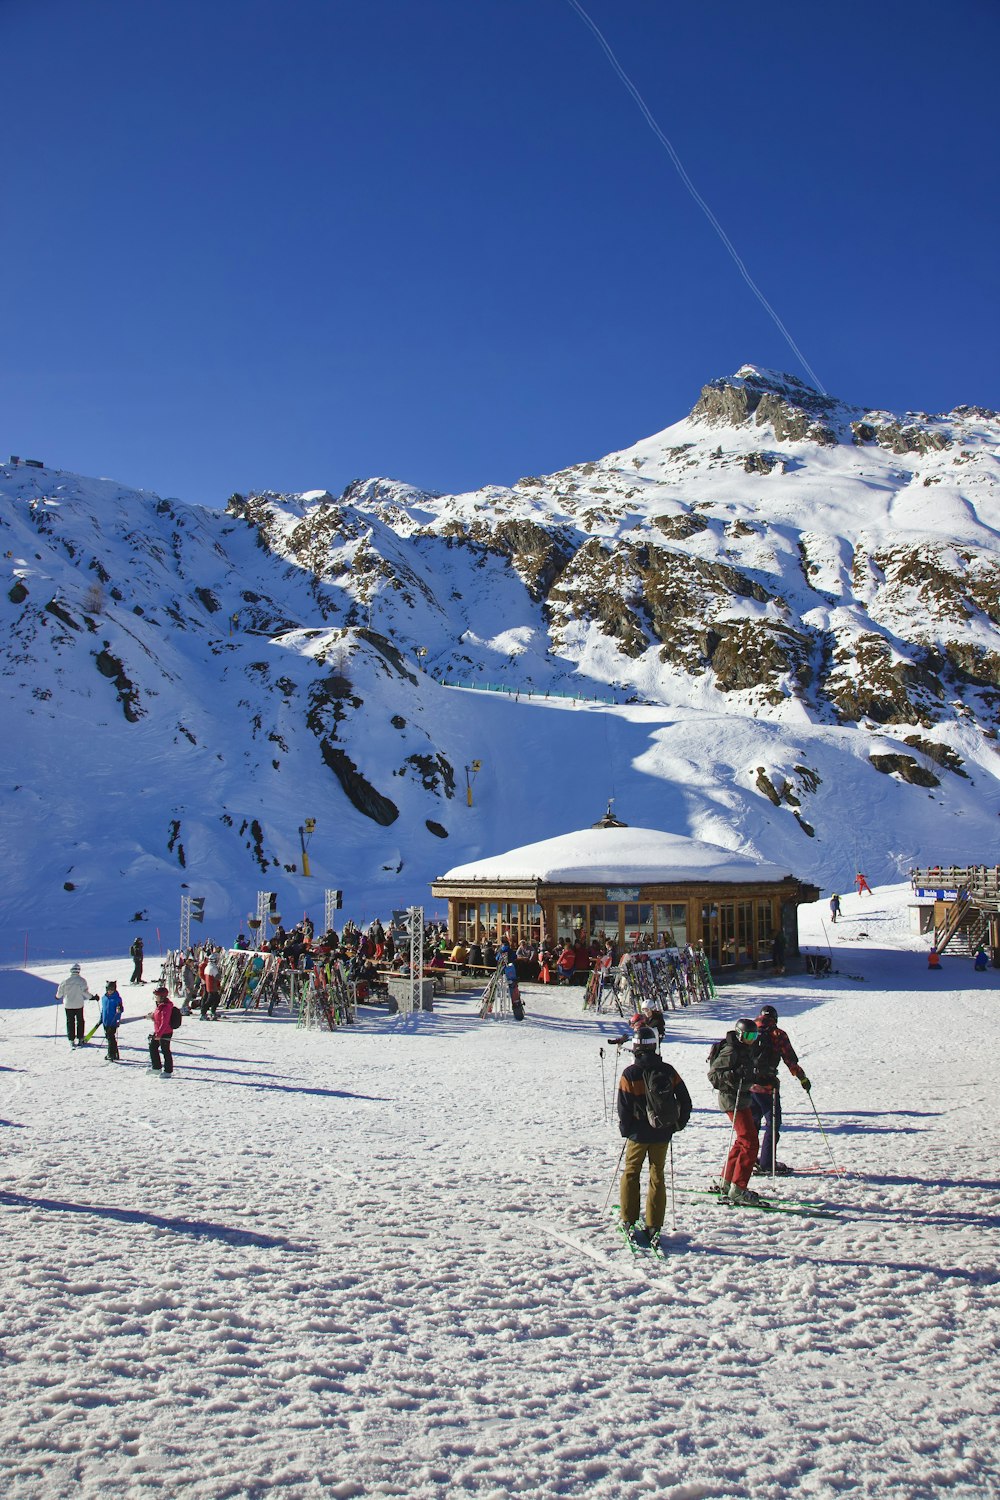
x=774, y=625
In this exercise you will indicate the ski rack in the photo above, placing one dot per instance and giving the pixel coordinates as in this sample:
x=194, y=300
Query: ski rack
x=323, y=998
x=496, y=996
x=600, y=979
x=172, y=973
x=262, y=983
x=664, y=979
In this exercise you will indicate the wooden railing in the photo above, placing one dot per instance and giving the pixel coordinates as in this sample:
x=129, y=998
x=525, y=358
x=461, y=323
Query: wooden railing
x=955, y=919
x=978, y=881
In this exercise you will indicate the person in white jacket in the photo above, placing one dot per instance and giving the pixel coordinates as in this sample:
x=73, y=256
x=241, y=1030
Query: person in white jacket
x=73, y=991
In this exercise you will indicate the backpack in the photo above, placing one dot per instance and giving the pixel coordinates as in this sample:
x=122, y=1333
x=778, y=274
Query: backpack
x=662, y=1109
x=731, y=1070
x=176, y=1017
x=765, y=1057
x=721, y=1073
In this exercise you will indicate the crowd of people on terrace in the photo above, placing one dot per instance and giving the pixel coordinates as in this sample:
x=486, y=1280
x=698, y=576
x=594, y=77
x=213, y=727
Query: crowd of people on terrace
x=370, y=956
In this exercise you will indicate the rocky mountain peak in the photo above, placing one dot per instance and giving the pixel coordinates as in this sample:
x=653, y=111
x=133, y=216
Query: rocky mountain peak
x=795, y=411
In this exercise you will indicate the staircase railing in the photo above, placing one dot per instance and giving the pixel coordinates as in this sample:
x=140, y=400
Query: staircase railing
x=955, y=919
x=977, y=931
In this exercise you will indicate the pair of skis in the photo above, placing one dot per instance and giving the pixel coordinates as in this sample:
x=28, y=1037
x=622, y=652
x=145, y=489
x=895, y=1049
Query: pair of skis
x=805, y=1208
x=638, y=1238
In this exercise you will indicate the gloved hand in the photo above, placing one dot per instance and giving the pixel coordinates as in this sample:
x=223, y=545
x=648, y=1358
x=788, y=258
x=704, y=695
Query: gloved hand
x=805, y=1083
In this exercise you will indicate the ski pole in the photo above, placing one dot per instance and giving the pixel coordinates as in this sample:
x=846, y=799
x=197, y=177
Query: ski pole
x=604, y=1086
x=774, y=1131
x=673, y=1192
x=614, y=1179
x=826, y=1141
x=829, y=949
x=732, y=1137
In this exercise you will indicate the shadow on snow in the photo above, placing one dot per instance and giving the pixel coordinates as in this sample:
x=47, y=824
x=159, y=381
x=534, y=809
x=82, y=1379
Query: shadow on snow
x=196, y=1228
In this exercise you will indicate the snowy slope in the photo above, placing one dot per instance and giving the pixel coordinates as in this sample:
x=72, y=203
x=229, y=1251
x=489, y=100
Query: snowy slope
x=774, y=626
x=375, y=1263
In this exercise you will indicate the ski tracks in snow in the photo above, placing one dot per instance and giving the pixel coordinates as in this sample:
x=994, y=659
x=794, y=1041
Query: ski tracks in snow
x=374, y=1263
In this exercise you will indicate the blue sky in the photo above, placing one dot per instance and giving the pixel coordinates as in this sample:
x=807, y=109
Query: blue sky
x=288, y=243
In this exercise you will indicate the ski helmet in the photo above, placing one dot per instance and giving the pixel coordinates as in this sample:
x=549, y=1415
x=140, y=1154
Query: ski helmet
x=161, y=989
x=645, y=1039
x=767, y=1016
x=746, y=1030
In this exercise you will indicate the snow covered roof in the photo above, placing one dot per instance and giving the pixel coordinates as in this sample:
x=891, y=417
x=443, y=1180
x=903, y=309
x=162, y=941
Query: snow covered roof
x=598, y=856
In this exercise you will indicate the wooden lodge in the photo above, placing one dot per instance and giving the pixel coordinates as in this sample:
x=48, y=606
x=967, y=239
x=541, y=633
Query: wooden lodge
x=638, y=887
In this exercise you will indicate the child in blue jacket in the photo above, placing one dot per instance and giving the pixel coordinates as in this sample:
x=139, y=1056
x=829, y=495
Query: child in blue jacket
x=112, y=1007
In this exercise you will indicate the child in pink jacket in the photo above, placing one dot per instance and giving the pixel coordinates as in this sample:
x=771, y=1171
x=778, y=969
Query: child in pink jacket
x=163, y=1030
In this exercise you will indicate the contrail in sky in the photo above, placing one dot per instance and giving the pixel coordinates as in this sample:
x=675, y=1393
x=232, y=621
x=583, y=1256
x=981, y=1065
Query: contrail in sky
x=710, y=216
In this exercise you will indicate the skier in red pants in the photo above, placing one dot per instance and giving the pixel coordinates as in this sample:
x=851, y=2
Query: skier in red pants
x=731, y=1072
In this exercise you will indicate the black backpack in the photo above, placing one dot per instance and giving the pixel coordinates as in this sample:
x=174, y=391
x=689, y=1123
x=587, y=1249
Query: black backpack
x=662, y=1110
x=176, y=1017
x=765, y=1057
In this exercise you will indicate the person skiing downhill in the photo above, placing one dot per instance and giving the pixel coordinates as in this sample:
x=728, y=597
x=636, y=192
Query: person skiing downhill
x=731, y=1072
x=71, y=994
x=771, y=1048
x=649, y=1090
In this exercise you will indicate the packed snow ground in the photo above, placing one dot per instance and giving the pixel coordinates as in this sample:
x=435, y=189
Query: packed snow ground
x=377, y=1263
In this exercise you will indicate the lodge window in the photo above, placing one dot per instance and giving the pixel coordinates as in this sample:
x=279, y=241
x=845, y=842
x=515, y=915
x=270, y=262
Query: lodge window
x=604, y=923
x=710, y=933
x=733, y=933
x=638, y=923
x=727, y=933
x=671, y=925
x=571, y=921
x=737, y=933
x=745, y=942
x=477, y=921
x=529, y=922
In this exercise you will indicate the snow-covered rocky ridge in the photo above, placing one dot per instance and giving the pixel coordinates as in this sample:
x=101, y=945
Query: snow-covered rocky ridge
x=789, y=605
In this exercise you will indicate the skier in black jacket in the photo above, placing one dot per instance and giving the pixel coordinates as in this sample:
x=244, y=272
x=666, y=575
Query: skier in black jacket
x=649, y=1090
